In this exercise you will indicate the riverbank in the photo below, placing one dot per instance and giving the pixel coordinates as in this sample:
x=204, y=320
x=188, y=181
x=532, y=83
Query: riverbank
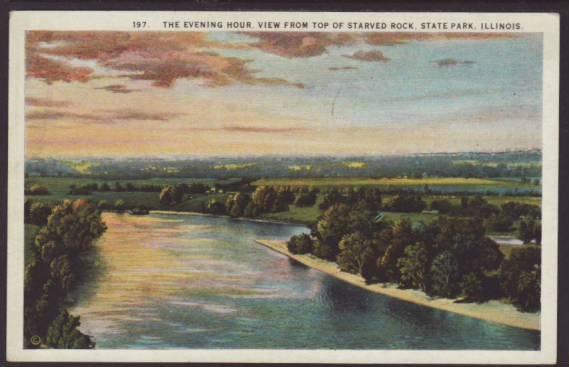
x=492, y=311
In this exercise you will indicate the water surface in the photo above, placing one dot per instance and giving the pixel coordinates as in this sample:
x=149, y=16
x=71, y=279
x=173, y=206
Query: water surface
x=181, y=281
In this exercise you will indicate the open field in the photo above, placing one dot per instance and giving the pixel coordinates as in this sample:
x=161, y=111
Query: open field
x=449, y=182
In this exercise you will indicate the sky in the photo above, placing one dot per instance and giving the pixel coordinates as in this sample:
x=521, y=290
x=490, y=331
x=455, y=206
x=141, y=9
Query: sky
x=160, y=94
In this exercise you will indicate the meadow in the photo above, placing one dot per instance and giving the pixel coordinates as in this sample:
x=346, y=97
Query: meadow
x=449, y=183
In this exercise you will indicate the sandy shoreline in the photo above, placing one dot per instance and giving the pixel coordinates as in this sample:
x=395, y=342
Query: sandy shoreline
x=493, y=311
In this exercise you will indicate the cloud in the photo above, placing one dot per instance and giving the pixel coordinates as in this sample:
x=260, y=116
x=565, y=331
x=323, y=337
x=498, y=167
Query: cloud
x=132, y=115
x=162, y=58
x=102, y=117
x=341, y=68
x=117, y=88
x=299, y=44
x=368, y=56
x=158, y=57
x=398, y=38
x=49, y=70
x=251, y=129
x=59, y=115
x=452, y=62
x=44, y=102
x=310, y=44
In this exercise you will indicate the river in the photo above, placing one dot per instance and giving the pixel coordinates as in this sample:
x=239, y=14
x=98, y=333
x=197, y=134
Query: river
x=170, y=281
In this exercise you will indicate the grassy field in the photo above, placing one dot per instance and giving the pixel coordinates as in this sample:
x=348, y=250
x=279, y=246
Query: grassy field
x=394, y=182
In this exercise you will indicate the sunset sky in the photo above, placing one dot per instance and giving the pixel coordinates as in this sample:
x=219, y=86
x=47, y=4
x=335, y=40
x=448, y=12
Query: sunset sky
x=120, y=94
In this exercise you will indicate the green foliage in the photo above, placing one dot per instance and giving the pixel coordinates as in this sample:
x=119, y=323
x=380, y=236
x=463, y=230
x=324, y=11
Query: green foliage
x=355, y=250
x=401, y=235
x=414, y=266
x=444, y=275
x=38, y=213
x=307, y=199
x=521, y=278
x=120, y=205
x=443, y=206
x=63, y=333
x=172, y=195
x=338, y=221
x=473, y=288
x=300, y=244
x=215, y=206
x=36, y=189
x=529, y=230
x=55, y=266
x=500, y=223
x=406, y=203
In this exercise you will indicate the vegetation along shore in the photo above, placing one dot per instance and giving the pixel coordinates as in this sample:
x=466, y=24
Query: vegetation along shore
x=493, y=311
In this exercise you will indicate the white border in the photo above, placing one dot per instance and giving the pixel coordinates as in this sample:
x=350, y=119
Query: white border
x=20, y=21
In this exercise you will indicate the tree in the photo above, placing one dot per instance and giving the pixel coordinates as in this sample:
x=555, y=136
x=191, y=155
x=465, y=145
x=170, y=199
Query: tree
x=520, y=277
x=71, y=229
x=473, y=288
x=118, y=187
x=500, y=223
x=166, y=195
x=443, y=206
x=335, y=223
x=120, y=205
x=63, y=333
x=332, y=197
x=178, y=192
x=306, y=199
x=444, y=275
x=355, y=251
x=529, y=231
x=216, y=207
x=39, y=213
x=104, y=187
x=237, y=204
x=300, y=244
x=406, y=203
x=401, y=236
x=37, y=189
x=414, y=266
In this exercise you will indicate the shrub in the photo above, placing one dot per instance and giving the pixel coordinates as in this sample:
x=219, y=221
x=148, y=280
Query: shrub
x=120, y=205
x=39, y=212
x=300, y=244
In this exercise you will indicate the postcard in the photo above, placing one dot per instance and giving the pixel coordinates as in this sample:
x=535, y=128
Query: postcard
x=308, y=187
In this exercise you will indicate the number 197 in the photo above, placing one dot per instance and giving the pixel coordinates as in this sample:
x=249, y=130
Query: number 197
x=138, y=24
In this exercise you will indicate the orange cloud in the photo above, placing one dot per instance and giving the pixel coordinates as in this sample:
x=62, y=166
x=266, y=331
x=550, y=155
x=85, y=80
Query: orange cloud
x=292, y=45
x=158, y=57
x=104, y=116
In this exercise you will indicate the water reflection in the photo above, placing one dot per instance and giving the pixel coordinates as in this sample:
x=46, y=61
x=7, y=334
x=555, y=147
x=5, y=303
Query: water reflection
x=174, y=281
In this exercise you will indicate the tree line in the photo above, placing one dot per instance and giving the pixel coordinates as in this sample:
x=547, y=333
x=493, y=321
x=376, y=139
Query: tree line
x=450, y=257
x=68, y=230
